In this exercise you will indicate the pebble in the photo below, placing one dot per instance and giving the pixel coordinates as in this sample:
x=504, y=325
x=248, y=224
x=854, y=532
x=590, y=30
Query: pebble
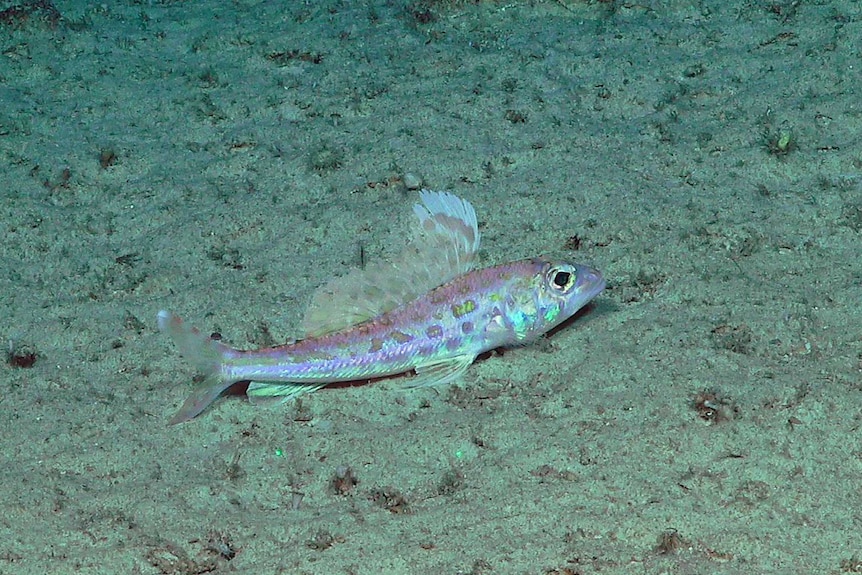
x=412, y=181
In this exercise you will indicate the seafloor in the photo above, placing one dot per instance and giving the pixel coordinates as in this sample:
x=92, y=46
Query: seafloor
x=223, y=159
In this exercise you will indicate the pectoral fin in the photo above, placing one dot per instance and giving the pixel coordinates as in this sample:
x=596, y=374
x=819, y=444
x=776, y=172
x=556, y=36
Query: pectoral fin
x=440, y=372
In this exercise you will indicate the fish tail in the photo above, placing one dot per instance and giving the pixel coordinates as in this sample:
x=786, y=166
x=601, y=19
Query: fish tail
x=206, y=354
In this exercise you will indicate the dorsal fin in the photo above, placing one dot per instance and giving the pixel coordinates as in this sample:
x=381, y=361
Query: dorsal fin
x=444, y=247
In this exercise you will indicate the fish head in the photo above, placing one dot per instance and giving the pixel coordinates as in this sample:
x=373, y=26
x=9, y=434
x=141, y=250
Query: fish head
x=557, y=290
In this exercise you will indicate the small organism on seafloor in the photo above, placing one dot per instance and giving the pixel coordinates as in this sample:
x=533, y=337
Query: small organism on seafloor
x=428, y=312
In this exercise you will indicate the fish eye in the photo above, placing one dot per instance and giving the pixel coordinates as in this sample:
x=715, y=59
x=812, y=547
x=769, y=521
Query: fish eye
x=561, y=280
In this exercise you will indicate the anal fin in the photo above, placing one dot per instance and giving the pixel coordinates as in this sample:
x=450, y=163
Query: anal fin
x=261, y=392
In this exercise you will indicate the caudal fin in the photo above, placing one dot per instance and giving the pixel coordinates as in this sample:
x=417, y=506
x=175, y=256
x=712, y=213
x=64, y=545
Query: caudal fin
x=206, y=354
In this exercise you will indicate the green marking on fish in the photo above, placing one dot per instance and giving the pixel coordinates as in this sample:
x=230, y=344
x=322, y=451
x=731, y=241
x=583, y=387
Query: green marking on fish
x=462, y=309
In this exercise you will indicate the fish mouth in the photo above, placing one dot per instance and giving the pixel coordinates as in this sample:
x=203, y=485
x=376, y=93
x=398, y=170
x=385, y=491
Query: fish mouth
x=592, y=283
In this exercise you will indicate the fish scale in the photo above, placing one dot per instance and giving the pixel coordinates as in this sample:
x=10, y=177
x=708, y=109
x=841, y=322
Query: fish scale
x=428, y=312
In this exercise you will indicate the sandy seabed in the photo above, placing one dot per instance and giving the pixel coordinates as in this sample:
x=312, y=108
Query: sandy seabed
x=224, y=159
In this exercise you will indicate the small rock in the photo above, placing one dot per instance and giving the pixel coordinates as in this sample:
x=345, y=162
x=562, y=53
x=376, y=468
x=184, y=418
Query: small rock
x=412, y=181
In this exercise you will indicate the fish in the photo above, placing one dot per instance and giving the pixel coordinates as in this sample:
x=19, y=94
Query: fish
x=429, y=311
